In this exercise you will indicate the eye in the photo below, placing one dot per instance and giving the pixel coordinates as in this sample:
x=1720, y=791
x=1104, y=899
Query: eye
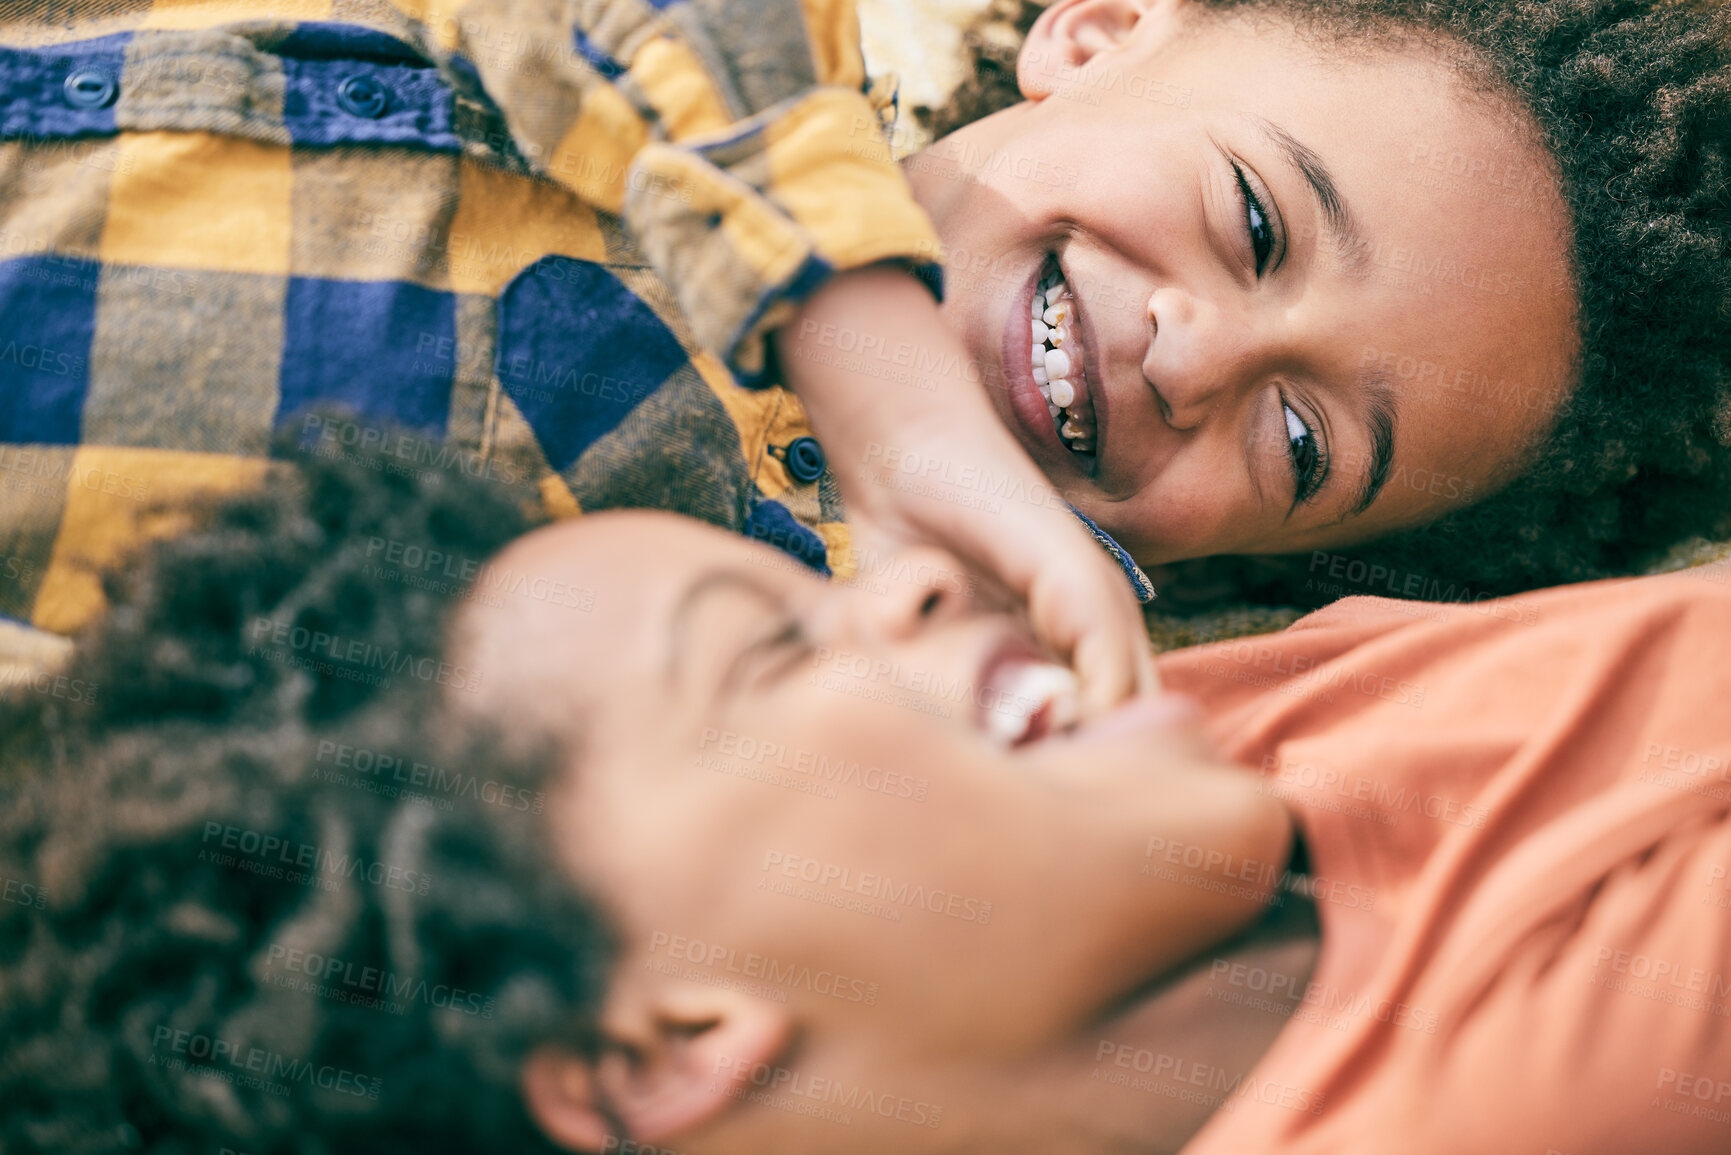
x=1309, y=465
x=1256, y=221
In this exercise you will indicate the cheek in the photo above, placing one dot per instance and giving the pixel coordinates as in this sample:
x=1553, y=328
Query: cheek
x=1195, y=507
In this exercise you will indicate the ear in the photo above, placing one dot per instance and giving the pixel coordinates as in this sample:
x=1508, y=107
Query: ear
x=666, y=1073
x=1070, y=33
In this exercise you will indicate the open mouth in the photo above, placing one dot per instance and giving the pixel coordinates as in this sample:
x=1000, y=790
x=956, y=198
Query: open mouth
x=1058, y=362
x=1024, y=699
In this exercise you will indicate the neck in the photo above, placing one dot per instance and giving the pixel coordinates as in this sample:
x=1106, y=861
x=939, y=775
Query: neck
x=1147, y=1080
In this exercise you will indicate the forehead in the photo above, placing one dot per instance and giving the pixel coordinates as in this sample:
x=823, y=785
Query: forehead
x=588, y=604
x=621, y=580
x=1457, y=291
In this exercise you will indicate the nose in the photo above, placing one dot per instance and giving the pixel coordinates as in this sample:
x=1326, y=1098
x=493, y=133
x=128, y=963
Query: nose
x=1199, y=358
x=897, y=595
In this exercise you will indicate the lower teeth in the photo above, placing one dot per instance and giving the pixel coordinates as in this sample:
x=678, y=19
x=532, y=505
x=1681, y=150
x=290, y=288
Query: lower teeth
x=1070, y=430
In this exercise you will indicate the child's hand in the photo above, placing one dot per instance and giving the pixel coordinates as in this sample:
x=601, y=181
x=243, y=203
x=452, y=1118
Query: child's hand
x=955, y=477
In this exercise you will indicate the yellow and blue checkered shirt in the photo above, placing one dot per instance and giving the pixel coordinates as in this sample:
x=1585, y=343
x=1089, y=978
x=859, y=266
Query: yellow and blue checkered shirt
x=542, y=240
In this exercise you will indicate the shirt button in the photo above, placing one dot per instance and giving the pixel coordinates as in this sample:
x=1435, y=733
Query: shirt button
x=88, y=88
x=805, y=459
x=363, y=96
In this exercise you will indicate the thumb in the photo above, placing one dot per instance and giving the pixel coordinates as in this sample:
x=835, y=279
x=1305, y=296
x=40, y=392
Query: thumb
x=1080, y=606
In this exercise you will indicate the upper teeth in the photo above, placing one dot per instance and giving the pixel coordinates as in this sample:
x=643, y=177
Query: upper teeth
x=1022, y=691
x=1054, y=359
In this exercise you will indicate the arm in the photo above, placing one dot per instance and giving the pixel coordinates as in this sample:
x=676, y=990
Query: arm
x=755, y=177
x=976, y=492
x=734, y=139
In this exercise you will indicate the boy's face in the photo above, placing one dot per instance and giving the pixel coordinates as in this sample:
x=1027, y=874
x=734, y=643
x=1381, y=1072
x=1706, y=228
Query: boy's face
x=837, y=842
x=1321, y=290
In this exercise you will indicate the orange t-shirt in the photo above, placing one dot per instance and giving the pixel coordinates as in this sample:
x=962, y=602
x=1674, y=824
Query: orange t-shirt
x=1519, y=823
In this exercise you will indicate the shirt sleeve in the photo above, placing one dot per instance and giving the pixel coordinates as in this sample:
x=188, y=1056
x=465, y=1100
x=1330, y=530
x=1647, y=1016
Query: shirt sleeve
x=734, y=137
x=1609, y=1029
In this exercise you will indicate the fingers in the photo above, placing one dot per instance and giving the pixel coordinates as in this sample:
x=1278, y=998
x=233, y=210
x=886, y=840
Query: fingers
x=1111, y=671
x=1078, y=602
x=1081, y=608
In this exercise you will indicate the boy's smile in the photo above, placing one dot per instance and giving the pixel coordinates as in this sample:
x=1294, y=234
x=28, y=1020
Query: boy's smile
x=1049, y=372
x=1277, y=333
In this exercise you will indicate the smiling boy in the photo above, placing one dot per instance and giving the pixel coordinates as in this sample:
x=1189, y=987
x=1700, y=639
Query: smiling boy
x=1260, y=423
x=1437, y=866
x=1215, y=294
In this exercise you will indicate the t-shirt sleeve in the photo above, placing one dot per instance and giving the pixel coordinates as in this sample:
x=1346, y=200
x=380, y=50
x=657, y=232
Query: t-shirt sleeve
x=1539, y=792
x=1607, y=1033
x=735, y=138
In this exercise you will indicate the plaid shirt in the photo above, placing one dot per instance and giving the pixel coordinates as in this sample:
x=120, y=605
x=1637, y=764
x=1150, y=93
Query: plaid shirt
x=543, y=240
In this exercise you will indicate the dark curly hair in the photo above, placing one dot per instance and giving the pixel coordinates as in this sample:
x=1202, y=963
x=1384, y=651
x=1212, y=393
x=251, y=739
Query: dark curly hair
x=1632, y=99
x=268, y=894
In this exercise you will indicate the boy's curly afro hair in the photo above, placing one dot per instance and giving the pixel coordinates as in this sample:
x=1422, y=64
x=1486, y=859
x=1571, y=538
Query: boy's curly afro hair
x=270, y=896
x=1632, y=99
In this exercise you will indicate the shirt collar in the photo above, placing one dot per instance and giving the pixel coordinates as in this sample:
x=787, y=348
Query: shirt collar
x=1139, y=583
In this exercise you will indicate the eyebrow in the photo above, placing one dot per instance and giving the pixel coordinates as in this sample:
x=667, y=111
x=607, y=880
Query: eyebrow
x=1380, y=415
x=1348, y=241
x=711, y=582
